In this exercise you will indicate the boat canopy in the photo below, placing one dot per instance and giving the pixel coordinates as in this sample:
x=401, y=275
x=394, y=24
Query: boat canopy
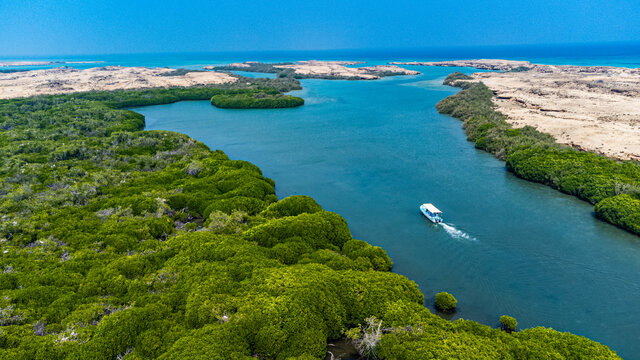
x=432, y=209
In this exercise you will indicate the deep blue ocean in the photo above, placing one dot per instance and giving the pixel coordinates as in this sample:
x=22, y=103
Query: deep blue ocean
x=373, y=151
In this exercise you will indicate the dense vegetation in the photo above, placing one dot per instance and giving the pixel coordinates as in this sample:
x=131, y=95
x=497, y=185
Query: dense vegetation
x=453, y=78
x=409, y=331
x=622, y=210
x=120, y=243
x=612, y=185
x=508, y=323
x=445, y=302
x=255, y=99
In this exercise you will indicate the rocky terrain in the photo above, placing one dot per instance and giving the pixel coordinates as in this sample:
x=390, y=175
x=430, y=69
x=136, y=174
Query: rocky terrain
x=484, y=64
x=322, y=69
x=593, y=108
x=67, y=80
x=339, y=68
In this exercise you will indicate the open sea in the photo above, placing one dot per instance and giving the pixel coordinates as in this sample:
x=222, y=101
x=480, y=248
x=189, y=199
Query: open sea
x=373, y=151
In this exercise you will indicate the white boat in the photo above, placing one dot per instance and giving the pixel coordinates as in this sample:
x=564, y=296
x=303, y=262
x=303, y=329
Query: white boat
x=431, y=212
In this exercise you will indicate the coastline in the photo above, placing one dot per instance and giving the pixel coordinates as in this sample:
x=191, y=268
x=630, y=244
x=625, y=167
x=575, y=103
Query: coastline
x=590, y=108
x=612, y=186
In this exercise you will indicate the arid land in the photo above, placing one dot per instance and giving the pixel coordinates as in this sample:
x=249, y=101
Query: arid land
x=68, y=80
x=339, y=68
x=592, y=108
x=323, y=69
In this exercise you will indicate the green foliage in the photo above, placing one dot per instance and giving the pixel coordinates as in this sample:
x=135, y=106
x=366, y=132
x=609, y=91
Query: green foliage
x=622, y=210
x=123, y=243
x=256, y=100
x=586, y=175
x=292, y=206
x=520, y=69
x=445, y=302
x=412, y=332
x=367, y=254
x=321, y=230
x=508, y=323
x=472, y=101
x=536, y=156
x=454, y=77
x=255, y=67
x=180, y=72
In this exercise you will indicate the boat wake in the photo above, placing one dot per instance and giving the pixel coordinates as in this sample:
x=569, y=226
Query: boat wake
x=456, y=233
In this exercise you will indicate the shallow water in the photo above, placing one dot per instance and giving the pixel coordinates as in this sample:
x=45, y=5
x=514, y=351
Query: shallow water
x=373, y=151
x=255, y=74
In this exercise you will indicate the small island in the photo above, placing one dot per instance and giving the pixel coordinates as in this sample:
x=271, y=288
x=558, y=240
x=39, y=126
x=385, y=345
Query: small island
x=314, y=69
x=255, y=100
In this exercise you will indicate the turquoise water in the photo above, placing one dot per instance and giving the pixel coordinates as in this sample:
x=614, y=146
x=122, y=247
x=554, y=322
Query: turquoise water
x=255, y=74
x=611, y=54
x=373, y=151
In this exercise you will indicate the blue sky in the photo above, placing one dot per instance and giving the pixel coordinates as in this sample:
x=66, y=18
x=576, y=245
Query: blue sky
x=66, y=27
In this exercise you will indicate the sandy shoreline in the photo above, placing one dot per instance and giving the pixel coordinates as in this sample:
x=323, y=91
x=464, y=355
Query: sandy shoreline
x=68, y=80
x=592, y=108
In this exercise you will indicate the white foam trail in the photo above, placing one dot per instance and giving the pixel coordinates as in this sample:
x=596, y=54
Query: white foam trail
x=457, y=234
